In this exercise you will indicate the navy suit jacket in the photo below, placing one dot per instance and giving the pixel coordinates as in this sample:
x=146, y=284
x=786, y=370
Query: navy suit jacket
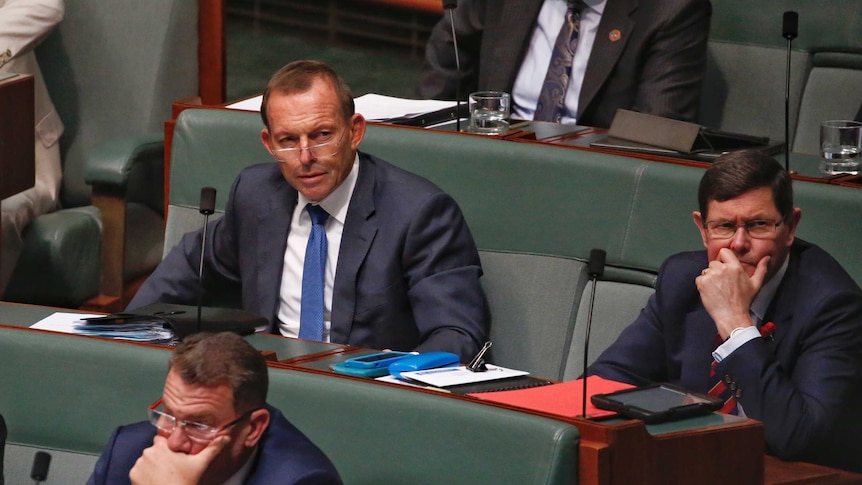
x=408, y=270
x=285, y=456
x=656, y=64
x=804, y=383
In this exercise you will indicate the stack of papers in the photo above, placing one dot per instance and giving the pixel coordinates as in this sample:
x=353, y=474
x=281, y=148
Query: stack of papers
x=454, y=376
x=150, y=331
x=374, y=107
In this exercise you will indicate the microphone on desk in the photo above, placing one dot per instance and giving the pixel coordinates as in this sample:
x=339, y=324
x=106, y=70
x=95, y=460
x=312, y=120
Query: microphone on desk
x=207, y=208
x=595, y=270
x=2, y=445
x=450, y=5
x=790, y=30
x=41, y=462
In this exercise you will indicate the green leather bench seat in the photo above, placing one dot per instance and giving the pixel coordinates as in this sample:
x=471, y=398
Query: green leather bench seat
x=66, y=394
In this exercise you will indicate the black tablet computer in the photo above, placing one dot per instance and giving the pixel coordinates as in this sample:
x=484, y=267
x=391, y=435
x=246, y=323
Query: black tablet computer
x=657, y=403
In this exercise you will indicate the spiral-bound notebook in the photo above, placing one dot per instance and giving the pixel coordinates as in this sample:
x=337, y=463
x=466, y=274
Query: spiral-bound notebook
x=510, y=384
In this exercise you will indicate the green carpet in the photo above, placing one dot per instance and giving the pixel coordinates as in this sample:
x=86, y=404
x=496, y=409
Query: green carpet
x=254, y=55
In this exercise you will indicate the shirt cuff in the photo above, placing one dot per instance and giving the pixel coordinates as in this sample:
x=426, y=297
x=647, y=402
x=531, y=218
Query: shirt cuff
x=739, y=338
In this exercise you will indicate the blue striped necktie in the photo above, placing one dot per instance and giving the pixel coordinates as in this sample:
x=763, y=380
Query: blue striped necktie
x=313, y=277
x=550, y=106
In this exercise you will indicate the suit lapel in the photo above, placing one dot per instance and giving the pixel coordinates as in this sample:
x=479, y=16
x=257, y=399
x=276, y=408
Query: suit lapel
x=783, y=304
x=616, y=23
x=274, y=226
x=509, y=44
x=360, y=227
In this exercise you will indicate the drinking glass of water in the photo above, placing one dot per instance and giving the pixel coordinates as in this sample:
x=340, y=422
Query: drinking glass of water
x=840, y=143
x=489, y=112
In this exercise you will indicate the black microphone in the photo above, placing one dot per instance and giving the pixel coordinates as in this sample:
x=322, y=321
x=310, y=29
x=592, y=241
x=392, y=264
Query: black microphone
x=2, y=445
x=595, y=269
x=207, y=207
x=39, y=472
x=450, y=5
x=789, y=30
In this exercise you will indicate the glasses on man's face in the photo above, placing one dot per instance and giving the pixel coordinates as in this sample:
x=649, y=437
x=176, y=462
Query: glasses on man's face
x=202, y=433
x=321, y=150
x=758, y=228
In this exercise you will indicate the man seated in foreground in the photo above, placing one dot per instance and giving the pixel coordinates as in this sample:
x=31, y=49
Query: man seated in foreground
x=332, y=244
x=212, y=426
x=778, y=318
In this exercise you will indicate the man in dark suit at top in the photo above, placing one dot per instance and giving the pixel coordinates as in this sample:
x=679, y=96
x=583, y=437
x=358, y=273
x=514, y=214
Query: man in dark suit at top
x=400, y=268
x=777, y=318
x=642, y=55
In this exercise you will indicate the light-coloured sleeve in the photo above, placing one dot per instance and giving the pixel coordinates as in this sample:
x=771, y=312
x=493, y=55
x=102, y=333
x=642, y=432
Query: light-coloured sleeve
x=24, y=23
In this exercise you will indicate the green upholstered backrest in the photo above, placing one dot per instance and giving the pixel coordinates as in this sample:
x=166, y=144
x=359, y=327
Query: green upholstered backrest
x=533, y=300
x=823, y=26
x=68, y=393
x=113, y=71
x=378, y=435
x=833, y=92
x=745, y=83
x=210, y=148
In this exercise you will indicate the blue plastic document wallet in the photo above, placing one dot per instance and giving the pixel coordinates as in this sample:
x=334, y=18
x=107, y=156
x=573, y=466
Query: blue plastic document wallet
x=454, y=376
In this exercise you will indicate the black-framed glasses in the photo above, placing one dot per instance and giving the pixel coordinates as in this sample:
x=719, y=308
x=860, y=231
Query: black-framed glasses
x=200, y=432
x=757, y=228
x=321, y=150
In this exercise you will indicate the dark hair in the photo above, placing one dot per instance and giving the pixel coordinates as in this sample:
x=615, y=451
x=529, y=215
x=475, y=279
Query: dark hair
x=299, y=76
x=213, y=359
x=738, y=172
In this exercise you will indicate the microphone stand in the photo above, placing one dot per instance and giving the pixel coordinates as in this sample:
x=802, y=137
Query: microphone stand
x=595, y=268
x=207, y=207
x=450, y=7
x=791, y=25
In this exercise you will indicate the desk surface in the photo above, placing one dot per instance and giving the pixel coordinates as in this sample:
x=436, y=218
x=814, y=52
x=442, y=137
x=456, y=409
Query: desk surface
x=617, y=451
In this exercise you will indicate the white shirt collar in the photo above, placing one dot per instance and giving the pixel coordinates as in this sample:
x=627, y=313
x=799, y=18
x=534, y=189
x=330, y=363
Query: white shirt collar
x=336, y=203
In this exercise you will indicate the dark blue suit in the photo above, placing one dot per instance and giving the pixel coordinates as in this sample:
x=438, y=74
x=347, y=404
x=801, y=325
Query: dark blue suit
x=285, y=456
x=805, y=383
x=408, y=269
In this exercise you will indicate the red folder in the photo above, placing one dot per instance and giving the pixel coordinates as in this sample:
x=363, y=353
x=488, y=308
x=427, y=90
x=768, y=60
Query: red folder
x=563, y=399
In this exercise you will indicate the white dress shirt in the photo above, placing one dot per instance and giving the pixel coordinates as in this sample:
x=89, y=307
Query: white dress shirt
x=290, y=294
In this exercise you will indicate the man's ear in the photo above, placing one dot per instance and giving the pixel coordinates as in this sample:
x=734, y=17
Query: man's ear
x=357, y=129
x=264, y=138
x=698, y=221
x=259, y=421
x=792, y=224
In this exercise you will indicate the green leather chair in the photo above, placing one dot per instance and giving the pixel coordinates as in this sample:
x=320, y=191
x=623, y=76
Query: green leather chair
x=745, y=82
x=112, y=76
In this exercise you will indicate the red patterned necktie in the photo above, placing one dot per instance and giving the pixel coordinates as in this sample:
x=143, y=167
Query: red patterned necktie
x=550, y=106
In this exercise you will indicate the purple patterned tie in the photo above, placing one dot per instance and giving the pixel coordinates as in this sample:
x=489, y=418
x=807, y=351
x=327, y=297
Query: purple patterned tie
x=550, y=106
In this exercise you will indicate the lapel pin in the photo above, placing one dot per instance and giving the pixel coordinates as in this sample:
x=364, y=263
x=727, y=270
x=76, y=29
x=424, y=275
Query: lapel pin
x=614, y=35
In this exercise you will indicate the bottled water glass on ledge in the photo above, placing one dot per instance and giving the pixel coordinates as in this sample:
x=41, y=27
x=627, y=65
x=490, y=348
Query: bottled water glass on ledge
x=840, y=143
x=489, y=112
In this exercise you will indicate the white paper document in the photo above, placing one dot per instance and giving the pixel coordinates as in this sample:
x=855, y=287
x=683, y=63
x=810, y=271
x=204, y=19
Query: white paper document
x=374, y=107
x=453, y=376
x=62, y=322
